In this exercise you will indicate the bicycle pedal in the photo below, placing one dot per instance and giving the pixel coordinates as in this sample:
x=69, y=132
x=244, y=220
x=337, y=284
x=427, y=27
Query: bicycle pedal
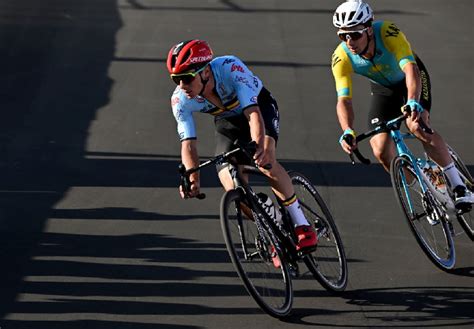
x=307, y=251
x=322, y=232
x=432, y=222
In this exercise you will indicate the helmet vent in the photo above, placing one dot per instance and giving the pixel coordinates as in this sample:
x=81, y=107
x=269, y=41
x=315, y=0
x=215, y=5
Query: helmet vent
x=351, y=16
x=186, y=56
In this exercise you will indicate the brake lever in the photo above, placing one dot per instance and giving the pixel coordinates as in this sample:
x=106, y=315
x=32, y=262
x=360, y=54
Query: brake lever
x=349, y=139
x=425, y=127
x=249, y=150
x=351, y=156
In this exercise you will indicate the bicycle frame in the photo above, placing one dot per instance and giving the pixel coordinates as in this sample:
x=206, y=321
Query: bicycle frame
x=402, y=150
x=417, y=163
x=282, y=235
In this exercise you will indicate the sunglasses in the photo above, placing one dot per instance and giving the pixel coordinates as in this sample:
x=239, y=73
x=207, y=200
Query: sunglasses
x=187, y=77
x=352, y=35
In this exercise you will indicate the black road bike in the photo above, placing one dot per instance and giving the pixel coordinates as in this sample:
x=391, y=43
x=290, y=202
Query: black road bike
x=254, y=237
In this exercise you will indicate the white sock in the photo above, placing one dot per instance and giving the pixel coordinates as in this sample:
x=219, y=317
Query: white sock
x=296, y=214
x=452, y=173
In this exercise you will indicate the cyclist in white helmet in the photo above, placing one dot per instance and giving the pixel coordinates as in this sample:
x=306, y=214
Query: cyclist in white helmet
x=379, y=51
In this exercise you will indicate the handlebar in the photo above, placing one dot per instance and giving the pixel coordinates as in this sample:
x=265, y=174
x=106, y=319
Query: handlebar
x=249, y=150
x=383, y=127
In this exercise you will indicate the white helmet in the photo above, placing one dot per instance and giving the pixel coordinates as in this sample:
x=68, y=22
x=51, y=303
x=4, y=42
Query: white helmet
x=352, y=13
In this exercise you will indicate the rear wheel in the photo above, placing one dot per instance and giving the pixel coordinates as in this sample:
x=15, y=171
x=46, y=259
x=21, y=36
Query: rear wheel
x=328, y=262
x=467, y=219
x=424, y=214
x=252, y=248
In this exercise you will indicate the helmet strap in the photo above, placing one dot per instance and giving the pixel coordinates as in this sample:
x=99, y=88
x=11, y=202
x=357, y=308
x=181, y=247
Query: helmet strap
x=204, y=83
x=364, y=51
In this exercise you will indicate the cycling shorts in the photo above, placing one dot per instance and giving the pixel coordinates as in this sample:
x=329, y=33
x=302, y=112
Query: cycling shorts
x=236, y=128
x=386, y=102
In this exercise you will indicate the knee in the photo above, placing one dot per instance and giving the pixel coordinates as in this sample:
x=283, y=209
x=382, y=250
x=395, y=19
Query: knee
x=225, y=178
x=273, y=170
x=383, y=156
x=415, y=129
x=421, y=135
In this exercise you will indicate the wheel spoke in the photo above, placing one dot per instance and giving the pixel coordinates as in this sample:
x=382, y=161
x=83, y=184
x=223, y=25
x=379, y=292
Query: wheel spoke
x=328, y=262
x=423, y=214
x=250, y=249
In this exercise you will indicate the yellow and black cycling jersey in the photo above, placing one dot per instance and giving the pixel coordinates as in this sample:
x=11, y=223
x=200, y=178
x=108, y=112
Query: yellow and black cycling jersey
x=392, y=53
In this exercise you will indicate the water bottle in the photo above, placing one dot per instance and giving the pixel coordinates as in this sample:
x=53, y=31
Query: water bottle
x=270, y=208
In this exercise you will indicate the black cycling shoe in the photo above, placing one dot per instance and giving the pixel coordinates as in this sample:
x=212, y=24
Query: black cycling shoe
x=463, y=198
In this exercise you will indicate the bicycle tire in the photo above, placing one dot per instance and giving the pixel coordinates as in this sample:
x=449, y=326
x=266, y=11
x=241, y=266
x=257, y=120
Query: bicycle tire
x=466, y=220
x=435, y=240
x=328, y=262
x=250, y=249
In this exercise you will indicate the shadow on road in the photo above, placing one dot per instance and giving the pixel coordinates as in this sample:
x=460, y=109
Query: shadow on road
x=54, y=59
x=423, y=307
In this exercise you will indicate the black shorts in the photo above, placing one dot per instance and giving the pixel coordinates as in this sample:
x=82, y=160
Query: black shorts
x=386, y=102
x=236, y=128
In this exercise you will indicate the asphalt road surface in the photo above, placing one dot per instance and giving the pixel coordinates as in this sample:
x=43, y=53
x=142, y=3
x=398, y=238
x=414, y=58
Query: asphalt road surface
x=92, y=231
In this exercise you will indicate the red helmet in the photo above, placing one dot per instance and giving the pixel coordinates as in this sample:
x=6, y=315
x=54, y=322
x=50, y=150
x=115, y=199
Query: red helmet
x=188, y=55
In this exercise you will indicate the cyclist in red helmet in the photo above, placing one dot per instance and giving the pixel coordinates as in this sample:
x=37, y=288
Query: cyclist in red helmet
x=243, y=109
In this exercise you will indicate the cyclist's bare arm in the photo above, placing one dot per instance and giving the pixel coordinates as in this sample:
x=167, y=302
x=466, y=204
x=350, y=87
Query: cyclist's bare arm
x=257, y=133
x=345, y=115
x=345, y=112
x=413, y=82
x=190, y=159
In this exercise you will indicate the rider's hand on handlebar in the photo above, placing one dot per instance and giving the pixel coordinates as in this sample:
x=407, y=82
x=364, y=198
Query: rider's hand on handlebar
x=261, y=156
x=348, y=141
x=415, y=108
x=192, y=193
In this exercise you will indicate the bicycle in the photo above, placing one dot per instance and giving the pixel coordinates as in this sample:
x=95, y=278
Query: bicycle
x=254, y=237
x=424, y=194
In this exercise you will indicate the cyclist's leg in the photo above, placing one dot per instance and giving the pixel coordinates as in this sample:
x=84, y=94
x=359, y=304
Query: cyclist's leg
x=278, y=177
x=385, y=105
x=229, y=130
x=283, y=188
x=383, y=149
x=434, y=144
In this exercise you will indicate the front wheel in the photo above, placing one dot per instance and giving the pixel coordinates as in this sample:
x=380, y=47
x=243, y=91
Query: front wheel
x=423, y=214
x=252, y=249
x=467, y=219
x=328, y=262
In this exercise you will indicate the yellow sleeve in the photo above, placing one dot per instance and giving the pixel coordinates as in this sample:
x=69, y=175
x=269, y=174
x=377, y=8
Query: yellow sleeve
x=396, y=42
x=342, y=72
